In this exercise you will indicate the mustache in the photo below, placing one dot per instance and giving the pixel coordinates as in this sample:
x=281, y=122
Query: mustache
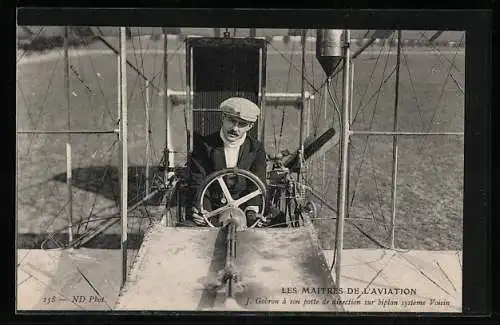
x=233, y=132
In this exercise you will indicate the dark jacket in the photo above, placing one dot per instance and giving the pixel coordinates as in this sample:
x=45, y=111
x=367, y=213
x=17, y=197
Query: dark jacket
x=208, y=157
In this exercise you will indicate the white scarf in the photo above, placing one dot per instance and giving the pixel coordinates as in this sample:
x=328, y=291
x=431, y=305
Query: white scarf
x=232, y=149
x=231, y=152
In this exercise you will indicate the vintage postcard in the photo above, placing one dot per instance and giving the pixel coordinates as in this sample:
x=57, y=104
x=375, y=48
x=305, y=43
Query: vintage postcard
x=239, y=169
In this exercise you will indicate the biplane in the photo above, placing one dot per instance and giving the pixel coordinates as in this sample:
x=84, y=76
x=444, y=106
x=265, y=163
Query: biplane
x=237, y=263
x=257, y=268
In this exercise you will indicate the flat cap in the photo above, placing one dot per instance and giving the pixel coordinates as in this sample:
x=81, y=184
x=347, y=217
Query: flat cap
x=241, y=107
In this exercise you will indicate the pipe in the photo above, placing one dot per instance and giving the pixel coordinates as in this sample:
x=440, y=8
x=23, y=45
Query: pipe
x=124, y=152
x=148, y=153
x=179, y=97
x=344, y=167
x=166, y=106
x=68, y=132
x=395, y=146
x=400, y=133
x=67, y=87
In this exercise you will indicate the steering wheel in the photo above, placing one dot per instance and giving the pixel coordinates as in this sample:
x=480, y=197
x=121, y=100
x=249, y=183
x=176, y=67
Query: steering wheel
x=227, y=200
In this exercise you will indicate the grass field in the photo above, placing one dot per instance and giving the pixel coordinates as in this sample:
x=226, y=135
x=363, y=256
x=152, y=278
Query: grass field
x=430, y=171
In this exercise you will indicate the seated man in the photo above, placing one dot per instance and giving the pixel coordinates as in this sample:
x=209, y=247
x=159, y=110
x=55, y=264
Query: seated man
x=229, y=147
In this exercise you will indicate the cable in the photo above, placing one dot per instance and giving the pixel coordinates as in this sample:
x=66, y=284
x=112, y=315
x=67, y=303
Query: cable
x=370, y=78
x=341, y=130
x=109, y=150
x=93, y=206
x=291, y=63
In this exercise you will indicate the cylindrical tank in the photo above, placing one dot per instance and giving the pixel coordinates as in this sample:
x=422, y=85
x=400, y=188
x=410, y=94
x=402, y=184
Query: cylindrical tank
x=329, y=49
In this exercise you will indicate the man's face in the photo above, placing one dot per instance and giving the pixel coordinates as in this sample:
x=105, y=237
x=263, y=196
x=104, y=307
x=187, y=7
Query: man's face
x=234, y=128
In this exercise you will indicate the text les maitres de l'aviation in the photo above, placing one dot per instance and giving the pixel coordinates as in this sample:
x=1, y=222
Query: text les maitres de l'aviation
x=335, y=291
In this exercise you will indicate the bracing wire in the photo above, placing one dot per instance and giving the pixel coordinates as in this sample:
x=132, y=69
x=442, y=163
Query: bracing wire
x=441, y=94
x=418, y=106
x=105, y=174
x=52, y=187
x=360, y=109
x=153, y=152
x=449, y=74
x=439, y=54
x=377, y=92
x=152, y=145
x=371, y=122
x=365, y=146
x=101, y=91
x=95, y=219
x=140, y=64
x=297, y=69
x=82, y=80
x=370, y=79
x=412, y=85
x=34, y=123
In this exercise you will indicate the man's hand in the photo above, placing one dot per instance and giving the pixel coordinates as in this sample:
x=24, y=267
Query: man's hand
x=253, y=217
x=198, y=217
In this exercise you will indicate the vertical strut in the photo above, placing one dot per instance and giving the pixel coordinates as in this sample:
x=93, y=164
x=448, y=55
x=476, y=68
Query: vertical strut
x=325, y=107
x=148, y=158
x=69, y=180
x=339, y=245
x=190, y=94
x=260, y=100
x=303, y=101
x=118, y=92
x=303, y=117
x=124, y=154
x=349, y=152
x=395, y=144
x=166, y=104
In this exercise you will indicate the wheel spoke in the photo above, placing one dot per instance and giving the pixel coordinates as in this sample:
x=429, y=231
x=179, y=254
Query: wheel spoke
x=225, y=190
x=247, y=197
x=216, y=211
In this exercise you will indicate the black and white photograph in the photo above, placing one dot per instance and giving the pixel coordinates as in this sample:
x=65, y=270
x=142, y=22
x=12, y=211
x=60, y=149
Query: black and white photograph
x=239, y=169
